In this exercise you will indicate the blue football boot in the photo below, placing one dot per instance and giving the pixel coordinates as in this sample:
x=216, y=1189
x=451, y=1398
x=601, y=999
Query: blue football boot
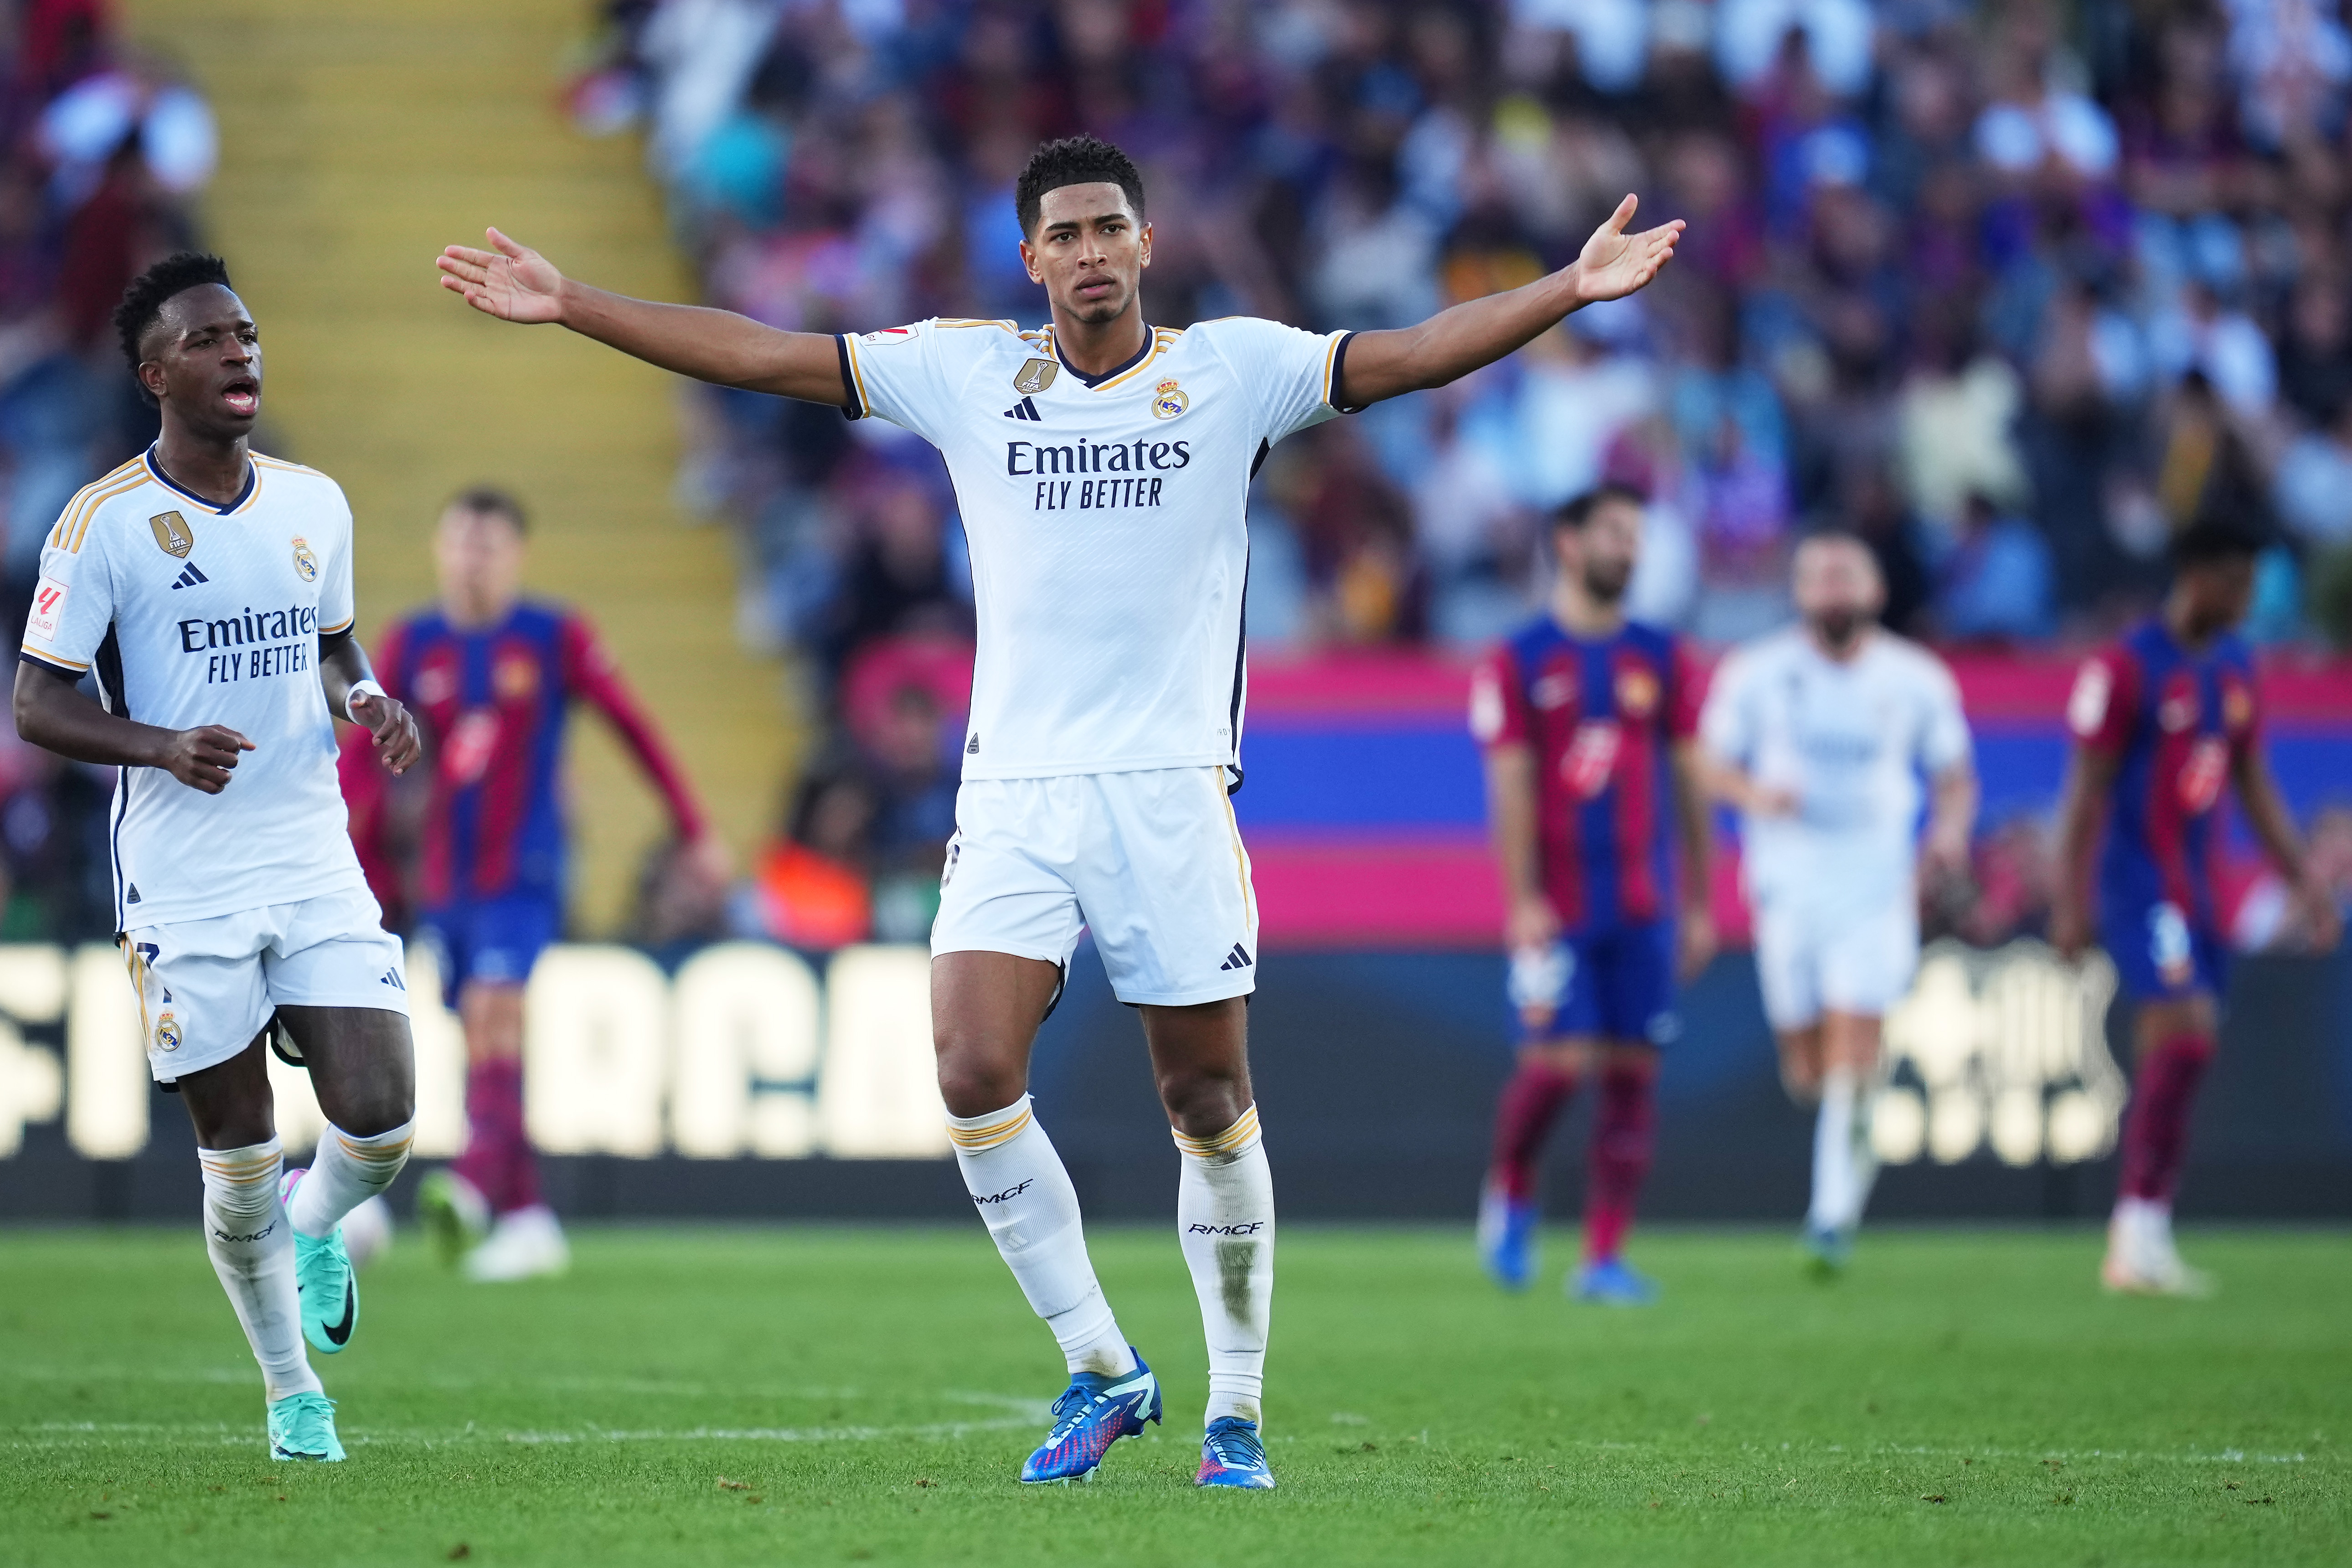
x=1232, y=1455
x=330, y=1287
x=1093, y=1413
x=302, y=1426
x=1827, y=1251
x=1506, y=1238
x=1611, y=1282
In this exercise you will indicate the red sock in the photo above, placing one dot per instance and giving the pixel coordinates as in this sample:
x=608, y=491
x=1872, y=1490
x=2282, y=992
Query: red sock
x=1623, y=1125
x=1532, y=1100
x=495, y=1143
x=2155, y=1128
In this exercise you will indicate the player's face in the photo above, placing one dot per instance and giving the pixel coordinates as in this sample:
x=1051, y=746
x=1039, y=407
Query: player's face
x=1603, y=552
x=1837, y=589
x=478, y=556
x=1089, y=251
x=204, y=362
x=2220, y=593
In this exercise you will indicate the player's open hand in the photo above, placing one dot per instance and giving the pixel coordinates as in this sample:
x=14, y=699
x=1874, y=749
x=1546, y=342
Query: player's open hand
x=1614, y=264
x=397, y=743
x=203, y=758
x=513, y=281
x=1532, y=925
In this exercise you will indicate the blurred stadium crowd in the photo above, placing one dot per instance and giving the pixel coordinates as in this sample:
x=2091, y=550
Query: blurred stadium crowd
x=101, y=149
x=2013, y=289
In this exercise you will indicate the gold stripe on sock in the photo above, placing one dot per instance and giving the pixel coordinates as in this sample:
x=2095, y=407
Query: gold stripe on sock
x=975, y=1139
x=1234, y=1140
x=373, y=1153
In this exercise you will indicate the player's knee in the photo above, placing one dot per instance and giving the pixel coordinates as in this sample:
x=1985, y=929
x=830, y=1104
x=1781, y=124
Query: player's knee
x=974, y=1081
x=1202, y=1103
x=377, y=1109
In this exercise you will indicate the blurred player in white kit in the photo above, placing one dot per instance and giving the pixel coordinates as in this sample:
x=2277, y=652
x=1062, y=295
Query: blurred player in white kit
x=1817, y=735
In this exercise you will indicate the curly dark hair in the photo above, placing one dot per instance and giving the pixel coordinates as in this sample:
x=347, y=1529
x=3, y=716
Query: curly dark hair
x=143, y=300
x=2212, y=538
x=1080, y=160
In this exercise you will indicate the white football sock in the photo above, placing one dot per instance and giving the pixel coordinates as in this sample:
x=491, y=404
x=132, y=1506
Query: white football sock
x=344, y=1173
x=1836, y=1201
x=1224, y=1217
x=252, y=1249
x=1017, y=1182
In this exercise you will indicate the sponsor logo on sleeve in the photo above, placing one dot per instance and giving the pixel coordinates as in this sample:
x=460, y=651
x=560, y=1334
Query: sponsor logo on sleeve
x=49, y=605
x=172, y=535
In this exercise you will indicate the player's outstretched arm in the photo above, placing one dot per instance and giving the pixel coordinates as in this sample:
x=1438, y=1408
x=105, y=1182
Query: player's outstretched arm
x=1694, y=826
x=353, y=692
x=1951, y=819
x=2273, y=827
x=2082, y=813
x=516, y=283
x=1530, y=921
x=1454, y=342
x=55, y=717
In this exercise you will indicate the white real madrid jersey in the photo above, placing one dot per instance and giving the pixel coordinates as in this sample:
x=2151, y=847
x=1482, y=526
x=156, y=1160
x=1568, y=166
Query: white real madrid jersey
x=1105, y=517
x=192, y=614
x=1851, y=738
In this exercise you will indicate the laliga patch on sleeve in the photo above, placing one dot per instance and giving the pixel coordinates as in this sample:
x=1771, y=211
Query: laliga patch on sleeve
x=48, y=609
x=886, y=336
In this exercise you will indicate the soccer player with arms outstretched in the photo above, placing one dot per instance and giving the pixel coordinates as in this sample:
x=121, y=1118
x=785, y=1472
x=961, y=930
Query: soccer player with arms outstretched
x=1587, y=719
x=493, y=675
x=207, y=591
x=1818, y=735
x=2162, y=722
x=1102, y=469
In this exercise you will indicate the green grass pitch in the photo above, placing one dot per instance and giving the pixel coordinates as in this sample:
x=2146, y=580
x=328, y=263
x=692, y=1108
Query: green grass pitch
x=851, y=1395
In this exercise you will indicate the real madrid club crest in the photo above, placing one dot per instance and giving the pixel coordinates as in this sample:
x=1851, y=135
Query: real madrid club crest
x=167, y=1033
x=172, y=535
x=306, y=565
x=1168, y=400
x=1037, y=375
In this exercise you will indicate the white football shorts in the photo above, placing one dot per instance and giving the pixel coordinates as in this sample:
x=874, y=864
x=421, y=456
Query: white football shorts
x=1810, y=962
x=207, y=988
x=1151, y=862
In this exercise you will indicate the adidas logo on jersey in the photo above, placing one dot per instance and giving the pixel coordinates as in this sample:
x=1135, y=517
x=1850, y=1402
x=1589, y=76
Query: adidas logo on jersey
x=391, y=977
x=191, y=577
x=1025, y=409
x=1238, y=959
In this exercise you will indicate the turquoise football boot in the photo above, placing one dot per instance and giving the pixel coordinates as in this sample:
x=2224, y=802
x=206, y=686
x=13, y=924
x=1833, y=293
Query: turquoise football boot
x=323, y=1272
x=302, y=1426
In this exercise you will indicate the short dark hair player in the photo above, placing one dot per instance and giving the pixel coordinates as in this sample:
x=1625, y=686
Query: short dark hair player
x=206, y=590
x=1587, y=722
x=1102, y=468
x=2163, y=721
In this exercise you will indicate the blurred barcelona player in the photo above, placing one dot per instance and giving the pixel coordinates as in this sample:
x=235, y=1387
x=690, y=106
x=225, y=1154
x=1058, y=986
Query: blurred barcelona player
x=1587, y=719
x=2162, y=722
x=492, y=675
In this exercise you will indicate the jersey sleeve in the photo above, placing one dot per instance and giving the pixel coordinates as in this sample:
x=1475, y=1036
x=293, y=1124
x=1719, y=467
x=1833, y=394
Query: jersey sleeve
x=896, y=375
x=73, y=603
x=338, y=605
x=1499, y=701
x=2105, y=695
x=1944, y=738
x=1686, y=690
x=2242, y=710
x=590, y=673
x=1293, y=375
x=1727, y=721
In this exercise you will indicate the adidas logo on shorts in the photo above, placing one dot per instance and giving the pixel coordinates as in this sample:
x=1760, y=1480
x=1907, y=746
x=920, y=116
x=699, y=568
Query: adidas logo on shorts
x=1238, y=959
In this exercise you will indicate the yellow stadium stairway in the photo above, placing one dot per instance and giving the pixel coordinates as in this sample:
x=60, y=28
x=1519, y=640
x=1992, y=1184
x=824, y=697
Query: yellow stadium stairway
x=356, y=140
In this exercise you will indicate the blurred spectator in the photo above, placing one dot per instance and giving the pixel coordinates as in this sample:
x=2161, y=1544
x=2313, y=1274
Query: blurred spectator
x=812, y=886
x=1995, y=584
